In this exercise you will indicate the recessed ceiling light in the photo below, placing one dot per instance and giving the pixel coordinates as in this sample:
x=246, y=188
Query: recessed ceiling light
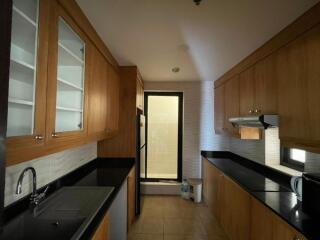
x=197, y=2
x=175, y=69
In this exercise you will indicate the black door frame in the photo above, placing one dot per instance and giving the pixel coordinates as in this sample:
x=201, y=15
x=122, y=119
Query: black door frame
x=180, y=134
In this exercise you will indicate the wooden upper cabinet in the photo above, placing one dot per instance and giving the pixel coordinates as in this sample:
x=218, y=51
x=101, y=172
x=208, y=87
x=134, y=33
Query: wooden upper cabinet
x=299, y=86
x=28, y=78
x=258, y=88
x=140, y=93
x=28, y=75
x=97, y=117
x=113, y=101
x=231, y=101
x=219, y=109
x=68, y=79
x=246, y=92
x=266, y=86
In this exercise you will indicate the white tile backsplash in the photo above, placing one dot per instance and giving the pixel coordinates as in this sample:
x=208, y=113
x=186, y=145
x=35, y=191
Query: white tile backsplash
x=48, y=168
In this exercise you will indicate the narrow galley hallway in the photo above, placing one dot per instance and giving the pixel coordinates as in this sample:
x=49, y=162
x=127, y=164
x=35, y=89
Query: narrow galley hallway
x=173, y=218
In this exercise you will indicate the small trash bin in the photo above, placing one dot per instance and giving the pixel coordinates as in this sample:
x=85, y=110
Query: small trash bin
x=185, y=189
x=195, y=189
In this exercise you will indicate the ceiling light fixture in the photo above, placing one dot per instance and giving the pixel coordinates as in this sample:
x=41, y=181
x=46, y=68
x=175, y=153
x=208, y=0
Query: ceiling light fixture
x=197, y=2
x=175, y=69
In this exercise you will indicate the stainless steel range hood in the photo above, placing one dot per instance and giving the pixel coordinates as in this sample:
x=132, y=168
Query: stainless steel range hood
x=258, y=121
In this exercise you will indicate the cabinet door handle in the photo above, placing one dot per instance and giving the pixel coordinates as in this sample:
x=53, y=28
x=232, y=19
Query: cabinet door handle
x=54, y=135
x=38, y=137
x=250, y=111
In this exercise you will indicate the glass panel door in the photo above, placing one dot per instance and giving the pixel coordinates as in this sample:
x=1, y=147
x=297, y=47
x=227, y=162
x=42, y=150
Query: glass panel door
x=23, y=64
x=164, y=136
x=70, y=80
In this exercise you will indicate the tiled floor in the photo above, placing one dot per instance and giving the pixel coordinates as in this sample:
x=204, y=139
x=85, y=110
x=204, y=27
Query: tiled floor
x=173, y=218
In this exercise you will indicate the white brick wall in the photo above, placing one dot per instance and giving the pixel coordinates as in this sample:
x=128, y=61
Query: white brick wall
x=48, y=168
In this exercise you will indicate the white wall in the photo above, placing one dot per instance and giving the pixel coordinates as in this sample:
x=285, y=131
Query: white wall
x=48, y=168
x=198, y=133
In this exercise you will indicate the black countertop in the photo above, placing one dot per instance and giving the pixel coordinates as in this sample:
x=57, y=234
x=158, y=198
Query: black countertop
x=99, y=172
x=244, y=176
x=270, y=187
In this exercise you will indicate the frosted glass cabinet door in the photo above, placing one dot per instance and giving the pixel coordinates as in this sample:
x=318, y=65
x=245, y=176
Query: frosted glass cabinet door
x=23, y=68
x=70, y=80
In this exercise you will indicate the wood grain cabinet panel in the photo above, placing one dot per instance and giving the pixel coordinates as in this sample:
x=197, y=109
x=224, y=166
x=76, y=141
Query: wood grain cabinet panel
x=113, y=101
x=246, y=91
x=261, y=221
x=212, y=188
x=283, y=231
x=205, y=180
x=267, y=225
x=265, y=86
x=97, y=117
x=258, y=88
x=235, y=211
x=231, y=105
x=124, y=143
x=102, y=233
x=219, y=109
x=299, y=87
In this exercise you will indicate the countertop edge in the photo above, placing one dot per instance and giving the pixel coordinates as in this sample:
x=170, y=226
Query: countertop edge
x=102, y=211
x=221, y=154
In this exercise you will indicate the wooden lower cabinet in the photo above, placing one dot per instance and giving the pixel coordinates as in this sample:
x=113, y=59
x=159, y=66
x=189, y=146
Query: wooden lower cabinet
x=131, y=197
x=242, y=216
x=102, y=233
x=261, y=221
x=235, y=210
x=266, y=225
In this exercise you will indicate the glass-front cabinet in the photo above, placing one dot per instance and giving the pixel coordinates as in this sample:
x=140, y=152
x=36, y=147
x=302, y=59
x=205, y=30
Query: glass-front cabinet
x=67, y=78
x=48, y=80
x=23, y=68
x=27, y=68
x=70, y=80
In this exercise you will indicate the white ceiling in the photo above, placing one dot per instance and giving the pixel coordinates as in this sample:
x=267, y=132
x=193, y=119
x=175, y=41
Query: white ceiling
x=204, y=41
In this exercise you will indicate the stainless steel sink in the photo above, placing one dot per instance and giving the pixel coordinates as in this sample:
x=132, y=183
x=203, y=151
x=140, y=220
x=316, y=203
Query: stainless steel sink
x=64, y=215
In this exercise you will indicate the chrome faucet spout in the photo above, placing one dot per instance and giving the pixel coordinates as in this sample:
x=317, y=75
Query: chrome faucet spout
x=34, y=181
x=35, y=198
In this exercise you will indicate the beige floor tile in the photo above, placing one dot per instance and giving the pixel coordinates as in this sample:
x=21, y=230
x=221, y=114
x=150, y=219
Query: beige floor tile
x=141, y=236
x=213, y=228
x=191, y=237
x=148, y=225
x=152, y=213
x=173, y=237
x=183, y=226
x=174, y=218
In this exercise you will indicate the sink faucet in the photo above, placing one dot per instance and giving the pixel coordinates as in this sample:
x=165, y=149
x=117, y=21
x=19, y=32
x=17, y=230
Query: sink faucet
x=35, y=198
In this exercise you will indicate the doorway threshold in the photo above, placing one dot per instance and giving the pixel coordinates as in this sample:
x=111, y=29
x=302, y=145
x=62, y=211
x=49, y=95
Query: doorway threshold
x=160, y=188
